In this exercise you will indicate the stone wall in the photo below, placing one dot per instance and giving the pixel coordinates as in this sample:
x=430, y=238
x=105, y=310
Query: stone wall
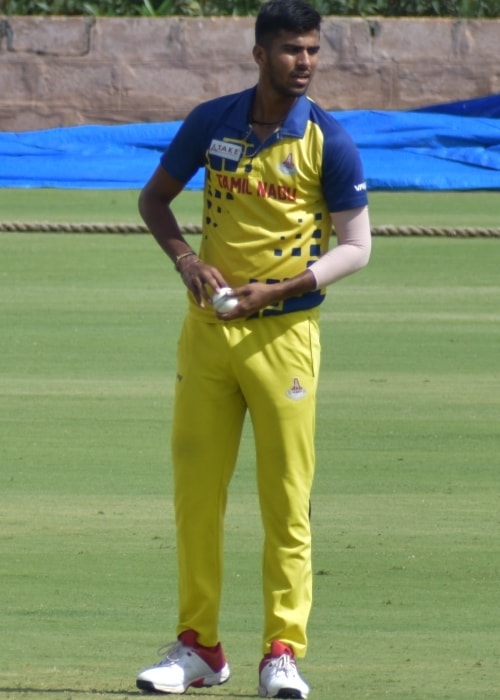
x=61, y=71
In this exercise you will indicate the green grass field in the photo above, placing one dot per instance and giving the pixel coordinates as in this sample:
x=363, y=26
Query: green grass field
x=406, y=508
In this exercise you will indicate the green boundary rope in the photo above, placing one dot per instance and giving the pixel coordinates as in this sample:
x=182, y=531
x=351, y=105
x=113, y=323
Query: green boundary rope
x=51, y=227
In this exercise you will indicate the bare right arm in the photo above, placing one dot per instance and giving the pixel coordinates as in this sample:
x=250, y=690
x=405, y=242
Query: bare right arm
x=154, y=207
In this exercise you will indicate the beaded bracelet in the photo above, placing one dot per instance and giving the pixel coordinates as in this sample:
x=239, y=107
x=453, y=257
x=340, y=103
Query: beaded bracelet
x=181, y=257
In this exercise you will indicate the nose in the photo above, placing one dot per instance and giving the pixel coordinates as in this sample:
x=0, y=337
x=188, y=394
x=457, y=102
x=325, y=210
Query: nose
x=304, y=59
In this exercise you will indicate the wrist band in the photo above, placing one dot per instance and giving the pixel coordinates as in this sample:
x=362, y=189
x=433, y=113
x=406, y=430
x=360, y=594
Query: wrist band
x=181, y=257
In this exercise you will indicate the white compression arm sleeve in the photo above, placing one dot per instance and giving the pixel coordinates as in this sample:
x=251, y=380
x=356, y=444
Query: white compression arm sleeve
x=352, y=251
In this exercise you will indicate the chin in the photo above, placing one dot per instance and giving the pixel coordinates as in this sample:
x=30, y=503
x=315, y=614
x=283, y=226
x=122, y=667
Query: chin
x=294, y=92
x=299, y=92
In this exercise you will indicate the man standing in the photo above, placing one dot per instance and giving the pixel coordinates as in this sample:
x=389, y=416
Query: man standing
x=279, y=172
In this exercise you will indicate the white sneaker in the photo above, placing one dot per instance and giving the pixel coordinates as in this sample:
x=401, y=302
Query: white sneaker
x=181, y=668
x=279, y=677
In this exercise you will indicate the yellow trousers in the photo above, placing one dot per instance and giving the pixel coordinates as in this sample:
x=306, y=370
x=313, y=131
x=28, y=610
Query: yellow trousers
x=268, y=366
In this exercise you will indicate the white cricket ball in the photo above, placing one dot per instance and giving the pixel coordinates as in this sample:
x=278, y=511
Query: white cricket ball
x=223, y=301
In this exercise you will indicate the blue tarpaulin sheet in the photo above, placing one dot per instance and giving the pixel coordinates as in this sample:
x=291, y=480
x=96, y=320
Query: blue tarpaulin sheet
x=443, y=147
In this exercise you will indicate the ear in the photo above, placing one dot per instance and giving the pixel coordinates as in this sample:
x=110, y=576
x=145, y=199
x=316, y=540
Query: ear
x=258, y=54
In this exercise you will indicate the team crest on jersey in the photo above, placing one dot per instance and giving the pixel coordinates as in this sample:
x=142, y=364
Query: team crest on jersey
x=296, y=391
x=288, y=166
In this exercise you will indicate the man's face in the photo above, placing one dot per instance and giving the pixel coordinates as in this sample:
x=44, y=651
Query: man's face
x=288, y=63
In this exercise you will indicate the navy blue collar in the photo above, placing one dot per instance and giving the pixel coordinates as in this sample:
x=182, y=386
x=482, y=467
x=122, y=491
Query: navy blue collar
x=294, y=124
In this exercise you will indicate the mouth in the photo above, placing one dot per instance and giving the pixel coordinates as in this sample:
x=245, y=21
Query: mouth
x=301, y=79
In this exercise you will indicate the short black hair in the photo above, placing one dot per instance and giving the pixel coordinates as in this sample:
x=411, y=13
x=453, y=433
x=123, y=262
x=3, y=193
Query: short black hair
x=285, y=15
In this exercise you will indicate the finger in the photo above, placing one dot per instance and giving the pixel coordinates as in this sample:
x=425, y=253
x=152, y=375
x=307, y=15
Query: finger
x=198, y=290
x=216, y=280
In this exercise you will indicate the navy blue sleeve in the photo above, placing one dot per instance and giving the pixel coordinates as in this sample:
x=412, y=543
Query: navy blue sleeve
x=343, y=178
x=186, y=153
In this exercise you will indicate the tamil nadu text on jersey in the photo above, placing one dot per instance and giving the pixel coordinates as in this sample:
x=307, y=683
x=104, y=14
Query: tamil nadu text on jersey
x=268, y=190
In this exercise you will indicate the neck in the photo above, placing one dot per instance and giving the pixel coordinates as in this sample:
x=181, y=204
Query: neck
x=252, y=120
x=269, y=112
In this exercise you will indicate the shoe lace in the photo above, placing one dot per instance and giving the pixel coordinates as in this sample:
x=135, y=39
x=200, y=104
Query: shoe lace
x=286, y=665
x=171, y=652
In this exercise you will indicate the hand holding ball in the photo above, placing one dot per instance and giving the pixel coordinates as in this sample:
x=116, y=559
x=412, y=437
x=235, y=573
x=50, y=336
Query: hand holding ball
x=223, y=301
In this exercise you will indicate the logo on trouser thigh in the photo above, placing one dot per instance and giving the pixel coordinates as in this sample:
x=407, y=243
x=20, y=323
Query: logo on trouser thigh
x=296, y=391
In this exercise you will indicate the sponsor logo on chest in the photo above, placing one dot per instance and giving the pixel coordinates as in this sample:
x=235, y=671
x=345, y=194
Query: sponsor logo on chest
x=231, y=151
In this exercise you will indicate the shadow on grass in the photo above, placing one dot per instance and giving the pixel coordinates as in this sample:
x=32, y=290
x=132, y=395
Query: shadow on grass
x=75, y=691
x=40, y=692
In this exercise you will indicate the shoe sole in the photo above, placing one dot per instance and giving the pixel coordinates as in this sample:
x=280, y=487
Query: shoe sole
x=289, y=693
x=284, y=694
x=149, y=687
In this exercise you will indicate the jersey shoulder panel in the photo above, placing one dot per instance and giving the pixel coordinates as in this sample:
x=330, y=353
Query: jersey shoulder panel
x=186, y=152
x=343, y=178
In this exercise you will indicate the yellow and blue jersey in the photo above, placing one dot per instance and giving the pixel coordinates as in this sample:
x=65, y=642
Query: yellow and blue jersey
x=267, y=204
